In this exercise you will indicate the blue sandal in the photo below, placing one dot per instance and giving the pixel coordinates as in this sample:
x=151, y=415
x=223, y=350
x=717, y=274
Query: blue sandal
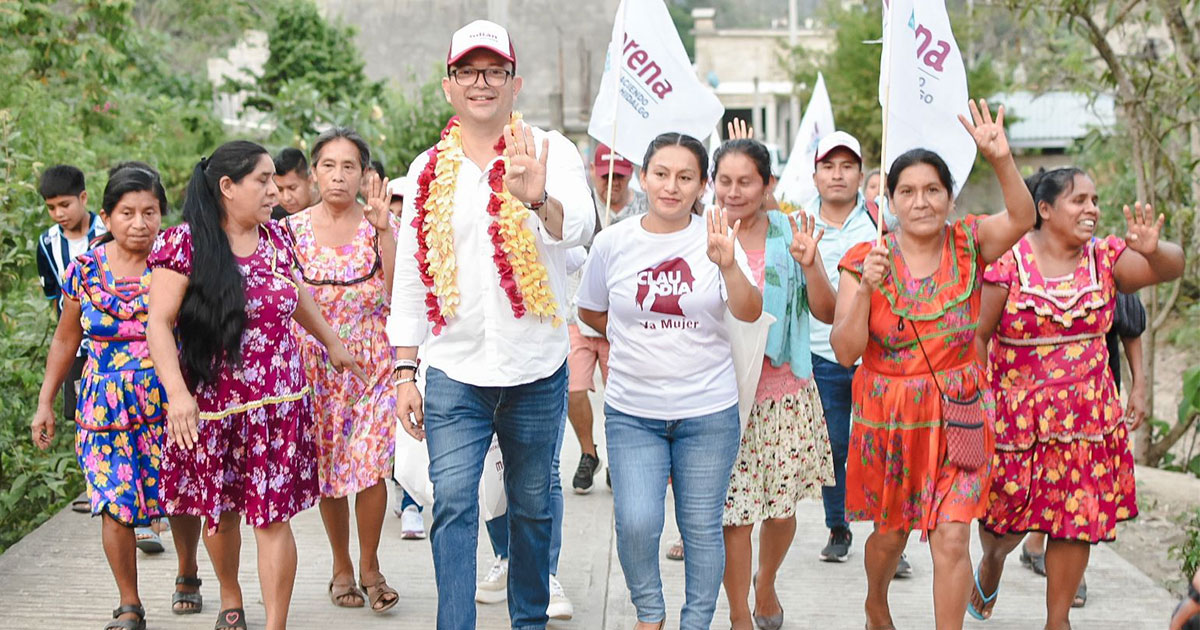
x=987, y=599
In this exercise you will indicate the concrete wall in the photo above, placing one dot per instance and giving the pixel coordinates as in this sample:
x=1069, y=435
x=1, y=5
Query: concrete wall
x=401, y=39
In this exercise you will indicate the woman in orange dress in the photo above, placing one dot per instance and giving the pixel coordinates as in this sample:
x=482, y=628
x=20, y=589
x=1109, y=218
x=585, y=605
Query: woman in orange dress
x=908, y=306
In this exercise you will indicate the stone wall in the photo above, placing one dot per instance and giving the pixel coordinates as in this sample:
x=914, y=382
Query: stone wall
x=406, y=41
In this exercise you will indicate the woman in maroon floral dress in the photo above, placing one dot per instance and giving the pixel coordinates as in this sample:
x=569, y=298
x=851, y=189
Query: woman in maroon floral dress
x=239, y=419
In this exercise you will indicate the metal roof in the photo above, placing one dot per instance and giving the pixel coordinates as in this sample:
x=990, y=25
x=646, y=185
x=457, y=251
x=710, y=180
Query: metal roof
x=1054, y=120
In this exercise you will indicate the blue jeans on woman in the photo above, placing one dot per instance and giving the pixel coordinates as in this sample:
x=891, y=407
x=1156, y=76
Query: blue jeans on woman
x=697, y=454
x=497, y=528
x=459, y=422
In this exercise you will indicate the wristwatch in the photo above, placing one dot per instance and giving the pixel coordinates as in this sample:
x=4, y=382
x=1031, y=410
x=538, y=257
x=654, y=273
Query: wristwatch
x=537, y=205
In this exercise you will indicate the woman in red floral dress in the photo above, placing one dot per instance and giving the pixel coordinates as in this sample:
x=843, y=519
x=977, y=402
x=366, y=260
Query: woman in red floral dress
x=1062, y=465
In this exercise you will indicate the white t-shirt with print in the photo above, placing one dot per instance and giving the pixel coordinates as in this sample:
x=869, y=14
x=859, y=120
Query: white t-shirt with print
x=669, y=356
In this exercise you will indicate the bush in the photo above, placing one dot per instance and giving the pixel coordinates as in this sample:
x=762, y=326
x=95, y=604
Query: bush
x=1188, y=551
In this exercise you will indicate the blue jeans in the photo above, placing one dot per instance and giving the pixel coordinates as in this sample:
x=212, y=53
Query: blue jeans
x=834, y=385
x=698, y=455
x=459, y=422
x=497, y=528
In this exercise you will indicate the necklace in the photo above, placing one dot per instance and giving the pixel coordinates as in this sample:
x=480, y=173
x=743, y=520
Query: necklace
x=523, y=277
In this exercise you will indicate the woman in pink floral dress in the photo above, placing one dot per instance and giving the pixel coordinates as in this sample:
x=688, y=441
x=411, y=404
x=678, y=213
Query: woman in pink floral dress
x=346, y=253
x=1062, y=465
x=239, y=419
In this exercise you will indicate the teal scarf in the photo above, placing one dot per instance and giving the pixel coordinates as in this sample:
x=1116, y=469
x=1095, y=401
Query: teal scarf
x=785, y=296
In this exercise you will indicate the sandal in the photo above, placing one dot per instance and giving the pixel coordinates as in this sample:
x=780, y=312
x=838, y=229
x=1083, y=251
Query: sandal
x=338, y=593
x=1034, y=561
x=1080, y=595
x=231, y=619
x=148, y=540
x=193, y=599
x=987, y=599
x=82, y=505
x=128, y=624
x=378, y=593
x=675, y=551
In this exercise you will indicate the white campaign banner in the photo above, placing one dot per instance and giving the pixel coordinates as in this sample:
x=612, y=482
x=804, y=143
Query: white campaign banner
x=796, y=183
x=923, y=86
x=649, y=86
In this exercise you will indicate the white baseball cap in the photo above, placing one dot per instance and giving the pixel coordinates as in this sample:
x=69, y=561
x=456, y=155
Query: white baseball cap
x=481, y=34
x=835, y=140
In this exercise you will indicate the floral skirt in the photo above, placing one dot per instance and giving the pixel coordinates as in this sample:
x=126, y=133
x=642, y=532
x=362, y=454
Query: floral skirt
x=260, y=462
x=1076, y=490
x=121, y=467
x=784, y=457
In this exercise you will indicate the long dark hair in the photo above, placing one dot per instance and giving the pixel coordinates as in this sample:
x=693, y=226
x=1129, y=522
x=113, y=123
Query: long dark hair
x=125, y=178
x=1048, y=186
x=213, y=313
x=674, y=139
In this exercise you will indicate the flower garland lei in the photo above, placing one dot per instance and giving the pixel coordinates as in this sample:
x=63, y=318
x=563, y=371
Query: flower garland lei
x=522, y=276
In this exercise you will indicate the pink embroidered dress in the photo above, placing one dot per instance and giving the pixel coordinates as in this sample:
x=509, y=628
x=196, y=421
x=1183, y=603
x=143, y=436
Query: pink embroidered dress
x=355, y=421
x=1063, y=464
x=256, y=453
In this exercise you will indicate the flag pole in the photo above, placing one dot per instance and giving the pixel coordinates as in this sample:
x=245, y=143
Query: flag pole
x=613, y=58
x=885, y=71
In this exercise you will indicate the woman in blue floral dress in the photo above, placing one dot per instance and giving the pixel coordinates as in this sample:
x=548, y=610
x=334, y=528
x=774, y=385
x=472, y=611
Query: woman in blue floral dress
x=121, y=404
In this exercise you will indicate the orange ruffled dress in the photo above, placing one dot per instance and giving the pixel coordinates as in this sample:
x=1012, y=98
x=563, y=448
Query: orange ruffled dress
x=1063, y=464
x=897, y=475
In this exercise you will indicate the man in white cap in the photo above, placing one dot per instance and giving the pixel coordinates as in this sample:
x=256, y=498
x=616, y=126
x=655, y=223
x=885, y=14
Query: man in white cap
x=841, y=211
x=480, y=284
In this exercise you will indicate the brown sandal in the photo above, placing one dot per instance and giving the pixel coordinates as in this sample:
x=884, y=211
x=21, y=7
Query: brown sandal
x=378, y=594
x=338, y=593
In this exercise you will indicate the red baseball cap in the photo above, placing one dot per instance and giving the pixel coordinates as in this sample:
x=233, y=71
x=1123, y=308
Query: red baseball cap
x=607, y=162
x=481, y=34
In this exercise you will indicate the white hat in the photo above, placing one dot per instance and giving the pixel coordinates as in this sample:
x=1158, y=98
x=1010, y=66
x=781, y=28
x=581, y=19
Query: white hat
x=481, y=34
x=835, y=140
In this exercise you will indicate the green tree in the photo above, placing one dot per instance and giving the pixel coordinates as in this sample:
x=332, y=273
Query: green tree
x=86, y=85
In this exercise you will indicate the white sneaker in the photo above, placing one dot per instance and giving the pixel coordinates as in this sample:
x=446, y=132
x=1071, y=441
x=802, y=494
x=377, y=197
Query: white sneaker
x=493, y=589
x=412, y=526
x=560, y=607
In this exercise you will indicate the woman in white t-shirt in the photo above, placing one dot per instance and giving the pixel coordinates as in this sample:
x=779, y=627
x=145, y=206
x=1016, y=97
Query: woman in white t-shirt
x=659, y=288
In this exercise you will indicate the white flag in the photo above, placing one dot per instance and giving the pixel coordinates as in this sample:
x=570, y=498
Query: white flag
x=658, y=89
x=796, y=183
x=923, y=86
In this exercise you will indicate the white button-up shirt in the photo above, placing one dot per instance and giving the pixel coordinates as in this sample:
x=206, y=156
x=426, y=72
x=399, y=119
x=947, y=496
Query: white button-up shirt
x=484, y=344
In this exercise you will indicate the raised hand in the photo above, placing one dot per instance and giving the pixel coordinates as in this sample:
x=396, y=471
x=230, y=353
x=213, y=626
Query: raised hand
x=378, y=208
x=525, y=176
x=738, y=130
x=804, y=244
x=1141, y=228
x=875, y=268
x=988, y=134
x=720, y=240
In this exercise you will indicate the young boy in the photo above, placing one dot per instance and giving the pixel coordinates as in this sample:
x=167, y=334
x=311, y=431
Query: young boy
x=74, y=227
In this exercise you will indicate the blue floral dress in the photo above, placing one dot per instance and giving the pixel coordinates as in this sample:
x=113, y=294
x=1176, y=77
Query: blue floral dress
x=121, y=413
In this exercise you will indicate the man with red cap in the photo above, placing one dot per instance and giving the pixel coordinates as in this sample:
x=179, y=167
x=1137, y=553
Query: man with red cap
x=480, y=285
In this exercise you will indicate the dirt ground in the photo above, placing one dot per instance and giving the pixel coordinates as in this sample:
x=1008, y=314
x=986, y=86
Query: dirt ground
x=1163, y=496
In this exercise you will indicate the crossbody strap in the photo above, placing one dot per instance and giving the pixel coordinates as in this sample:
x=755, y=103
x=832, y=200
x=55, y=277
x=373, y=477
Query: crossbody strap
x=928, y=363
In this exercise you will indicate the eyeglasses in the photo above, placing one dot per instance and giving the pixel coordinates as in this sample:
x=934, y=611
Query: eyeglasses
x=493, y=77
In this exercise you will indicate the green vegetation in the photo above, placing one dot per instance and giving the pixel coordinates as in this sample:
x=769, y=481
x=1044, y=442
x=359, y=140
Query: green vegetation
x=96, y=82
